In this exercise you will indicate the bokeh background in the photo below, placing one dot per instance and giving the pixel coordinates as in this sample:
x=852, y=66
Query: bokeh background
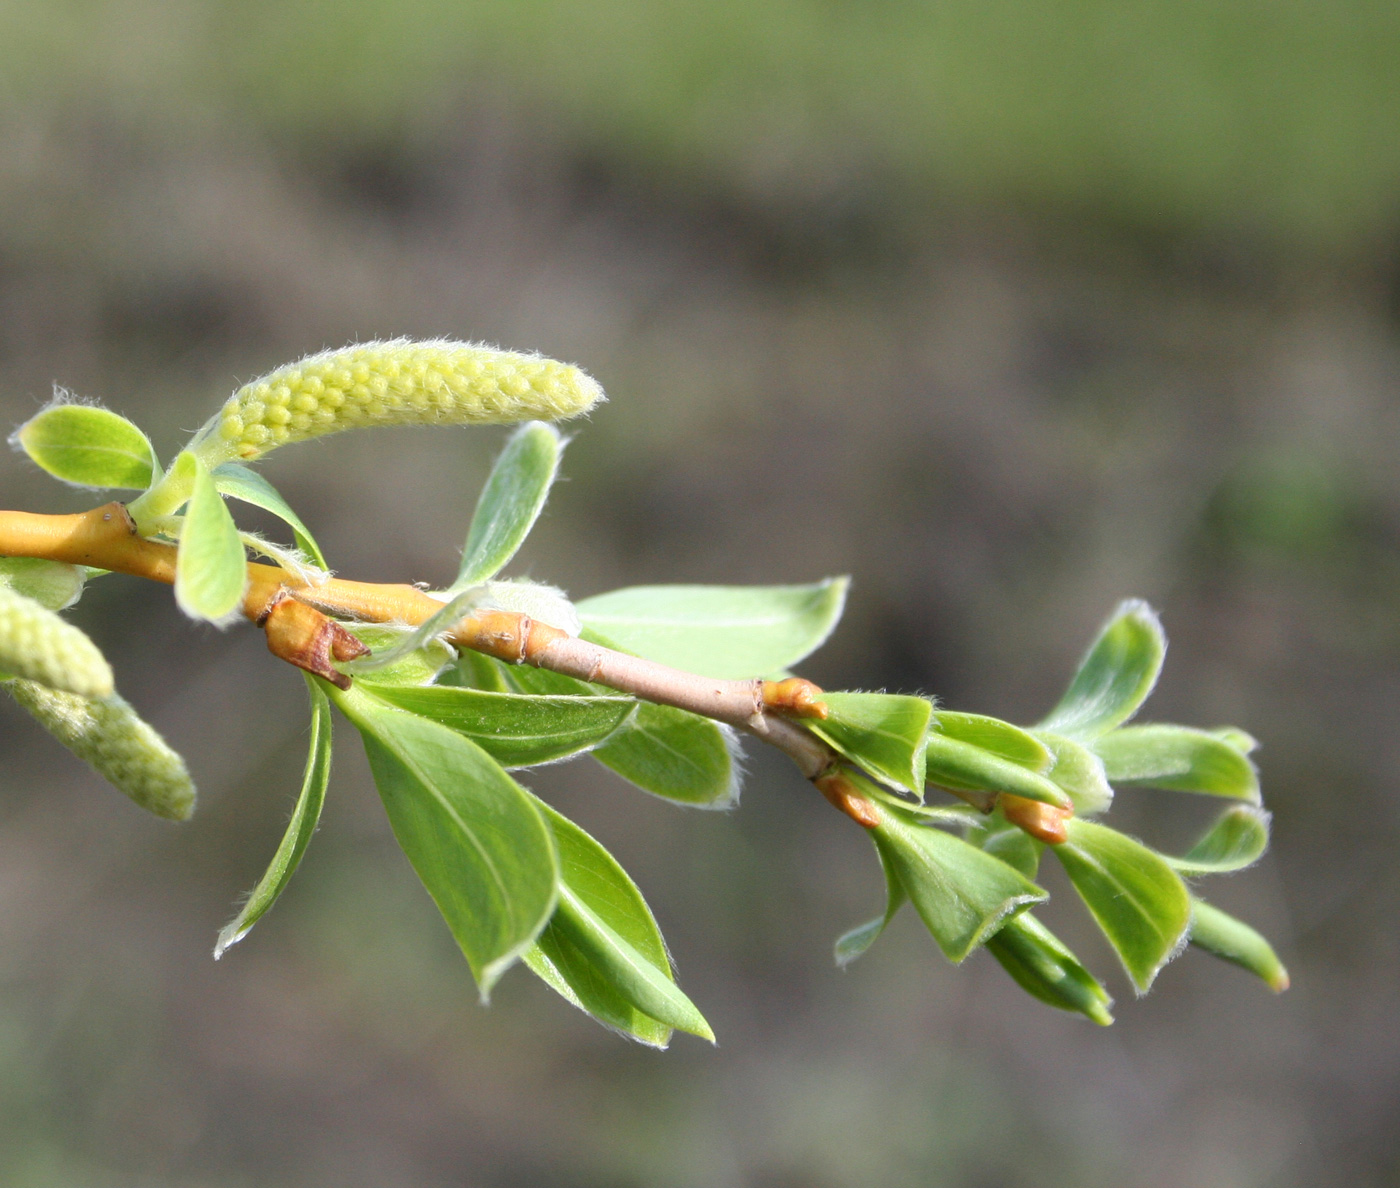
x=1008, y=310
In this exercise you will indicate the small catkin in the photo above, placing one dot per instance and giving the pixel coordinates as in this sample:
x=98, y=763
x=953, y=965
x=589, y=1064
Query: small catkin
x=401, y=382
x=38, y=645
x=108, y=734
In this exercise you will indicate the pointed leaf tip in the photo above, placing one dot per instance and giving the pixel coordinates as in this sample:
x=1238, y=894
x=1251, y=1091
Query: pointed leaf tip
x=305, y=817
x=599, y=975
x=511, y=502
x=1043, y=967
x=1235, y=941
x=1115, y=676
x=1139, y=902
x=962, y=894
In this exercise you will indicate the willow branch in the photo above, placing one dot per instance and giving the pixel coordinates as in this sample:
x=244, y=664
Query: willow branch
x=294, y=611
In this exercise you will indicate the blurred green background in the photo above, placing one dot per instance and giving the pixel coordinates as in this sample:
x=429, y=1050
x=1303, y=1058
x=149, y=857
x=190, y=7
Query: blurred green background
x=1008, y=310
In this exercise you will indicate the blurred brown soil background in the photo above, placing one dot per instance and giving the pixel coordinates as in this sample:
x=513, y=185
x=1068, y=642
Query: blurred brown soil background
x=1007, y=313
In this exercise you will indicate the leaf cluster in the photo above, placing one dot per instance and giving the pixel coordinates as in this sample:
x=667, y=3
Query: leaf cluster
x=517, y=882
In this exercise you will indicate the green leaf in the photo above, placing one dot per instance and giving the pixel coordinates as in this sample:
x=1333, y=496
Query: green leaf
x=476, y=838
x=542, y=603
x=420, y=637
x=637, y=980
x=1138, y=900
x=475, y=671
x=1178, y=758
x=517, y=729
x=727, y=632
x=54, y=585
x=678, y=756
x=1244, y=742
x=1079, y=772
x=952, y=763
x=668, y=752
x=1237, y=839
x=210, y=568
x=1044, y=968
x=1013, y=845
x=1115, y=676
x=238, y=481
x=1235, y=941
x=603, y=891
x=511, y=501
x=1000, y=738
x=87, y=446
x=851, y=945
x=305, y=817
x=884, y=733
x=418, y=667
x=526, y=678
x=962, y=894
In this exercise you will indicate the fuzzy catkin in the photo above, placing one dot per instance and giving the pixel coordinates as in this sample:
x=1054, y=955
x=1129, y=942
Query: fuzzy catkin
x=401, y=382
x=108, y=734
x=38, y=645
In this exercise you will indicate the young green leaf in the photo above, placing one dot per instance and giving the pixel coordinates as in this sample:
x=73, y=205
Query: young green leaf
x=1115, y=676
x=511, y=501
x=637, y=980
x=475, y=671
x=419, y=637
x=952, y=763
x=668, y=752
x=852, y=944
x=544, y=604
x=678, y=756
x=305, y=817
x=726, y=632
x=1238, y=839
x=1140, y=903
x=54, y=585
x=605, y=895
x=210, y=568
x=89, y=447
x=418, y=667
x=1178, y=758
x=1244, y=742
x=1079, y=772
x=481, y=847
x=239, y=482
x=1045, y=969
x=883, y=733
x=526, y=678
x=1235, y=941
x=517, y=729
x=1000, y=738
x=1012, y=844
x=962, y=894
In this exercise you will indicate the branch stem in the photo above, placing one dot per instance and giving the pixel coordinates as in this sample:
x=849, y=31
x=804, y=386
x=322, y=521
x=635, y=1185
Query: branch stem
x=106, y=538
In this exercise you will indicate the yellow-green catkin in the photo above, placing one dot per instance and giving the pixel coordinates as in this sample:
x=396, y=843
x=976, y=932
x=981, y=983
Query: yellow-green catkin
x=108, y=734
x=39, y=646
x=394, y=383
